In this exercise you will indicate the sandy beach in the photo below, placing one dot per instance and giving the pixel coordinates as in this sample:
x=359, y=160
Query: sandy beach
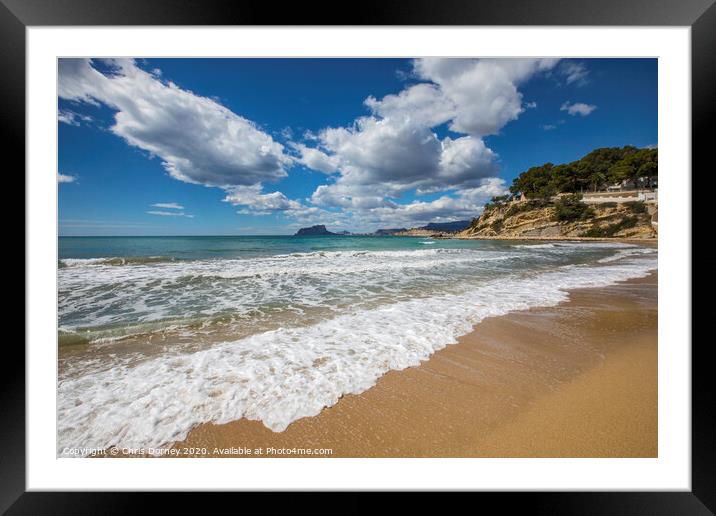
x=575, y=380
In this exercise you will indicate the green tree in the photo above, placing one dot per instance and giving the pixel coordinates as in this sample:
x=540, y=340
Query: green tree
x=591, y=172
x=570, y=208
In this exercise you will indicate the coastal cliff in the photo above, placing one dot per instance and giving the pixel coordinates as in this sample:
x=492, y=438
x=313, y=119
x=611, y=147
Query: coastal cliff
x=419, y=232
x=567, y=218
x=609, y=193
x=436, y=229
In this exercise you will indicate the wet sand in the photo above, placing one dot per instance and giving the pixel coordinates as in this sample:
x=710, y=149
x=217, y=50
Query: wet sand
x=575, y=380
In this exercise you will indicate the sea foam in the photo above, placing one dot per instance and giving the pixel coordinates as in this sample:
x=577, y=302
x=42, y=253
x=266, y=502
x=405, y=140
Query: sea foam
x=280, y=376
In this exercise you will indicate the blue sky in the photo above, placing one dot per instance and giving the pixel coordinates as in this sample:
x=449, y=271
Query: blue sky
x=264, y=146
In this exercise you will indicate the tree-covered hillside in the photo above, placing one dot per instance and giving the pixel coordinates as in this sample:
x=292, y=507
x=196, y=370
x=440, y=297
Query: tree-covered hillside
x=595, y=171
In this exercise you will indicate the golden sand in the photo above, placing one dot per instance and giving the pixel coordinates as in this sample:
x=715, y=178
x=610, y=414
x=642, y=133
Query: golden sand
x=575, y=380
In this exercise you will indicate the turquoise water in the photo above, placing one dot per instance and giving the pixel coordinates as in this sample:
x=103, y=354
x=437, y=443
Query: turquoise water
x=208, y=247
x=114, y=287
x=159, y=334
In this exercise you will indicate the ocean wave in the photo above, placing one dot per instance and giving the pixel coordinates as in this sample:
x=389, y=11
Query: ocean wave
x=624, y=253
x=576, y=244
x=534, y=246
x=286, y=374
x=116, y=261
x=98, y=295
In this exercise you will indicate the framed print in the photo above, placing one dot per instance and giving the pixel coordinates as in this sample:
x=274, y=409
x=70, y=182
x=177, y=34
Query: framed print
x=419, y=252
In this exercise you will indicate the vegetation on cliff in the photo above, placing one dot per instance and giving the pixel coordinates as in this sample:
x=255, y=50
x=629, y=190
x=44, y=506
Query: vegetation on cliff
x=546, y=202
x=595, y=171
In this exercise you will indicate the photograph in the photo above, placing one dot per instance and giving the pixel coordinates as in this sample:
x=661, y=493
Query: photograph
x=357, y=257
x=407, y=248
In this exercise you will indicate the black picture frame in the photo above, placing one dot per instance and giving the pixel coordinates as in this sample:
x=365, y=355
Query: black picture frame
x=700, y=15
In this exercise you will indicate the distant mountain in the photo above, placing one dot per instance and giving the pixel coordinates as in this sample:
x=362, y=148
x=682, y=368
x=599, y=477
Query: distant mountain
x=313, y=231
x=457, y=225
x=388, y=232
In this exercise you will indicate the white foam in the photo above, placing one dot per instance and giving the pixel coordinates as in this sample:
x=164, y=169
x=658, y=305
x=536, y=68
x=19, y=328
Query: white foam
x=624, y=253
x=577, y=244
x=93, y=294
x=280, y=376
x=534, y=246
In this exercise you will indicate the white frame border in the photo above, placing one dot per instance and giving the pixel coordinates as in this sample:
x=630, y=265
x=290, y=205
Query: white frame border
x=671, y=471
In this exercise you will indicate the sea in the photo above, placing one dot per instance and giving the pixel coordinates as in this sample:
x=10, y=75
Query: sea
x=157, y=335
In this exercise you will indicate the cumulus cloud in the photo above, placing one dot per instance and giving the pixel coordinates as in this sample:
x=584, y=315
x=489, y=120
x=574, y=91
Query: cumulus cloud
x=395, y=149
x=484, y=91
x=349, y=197
x=256, y=202
x=400, y=147
x=197, y=139
x=393, y=152
x=465, y=204
x=252, y=201
x=316, y=159
x=66, y=178
x=463, y=162
x=577, y=108
x=422, y=104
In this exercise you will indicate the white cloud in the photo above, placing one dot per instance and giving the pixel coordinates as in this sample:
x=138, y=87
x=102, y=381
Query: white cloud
x=466, y=204
x=316, y=159
x=309, y=135
x=419, y=105
x=484, y=91
x=393, y=154
x=66, y=178
x=168, y=206
x=489, y=188
x=395, y=149
x=548, y=127
x=69, y=117
x=198, y=140
x=348, y=197
x=574, y=73
x=372, y=163
x=578, y=108
x=170, y=214
x=260, y=203
x=463, y=162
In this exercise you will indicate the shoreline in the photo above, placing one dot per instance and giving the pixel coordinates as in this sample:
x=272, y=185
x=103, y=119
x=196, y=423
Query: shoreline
x=564, y=238
x=647, y=241
x=576, y=379
x=629, y=240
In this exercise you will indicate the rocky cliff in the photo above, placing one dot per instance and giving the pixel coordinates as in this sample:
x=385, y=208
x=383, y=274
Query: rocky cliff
x=313, y=230
x=388, y=232
x=435, y=229
x=532, y=219
x=420, y=232
x=456, y=225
